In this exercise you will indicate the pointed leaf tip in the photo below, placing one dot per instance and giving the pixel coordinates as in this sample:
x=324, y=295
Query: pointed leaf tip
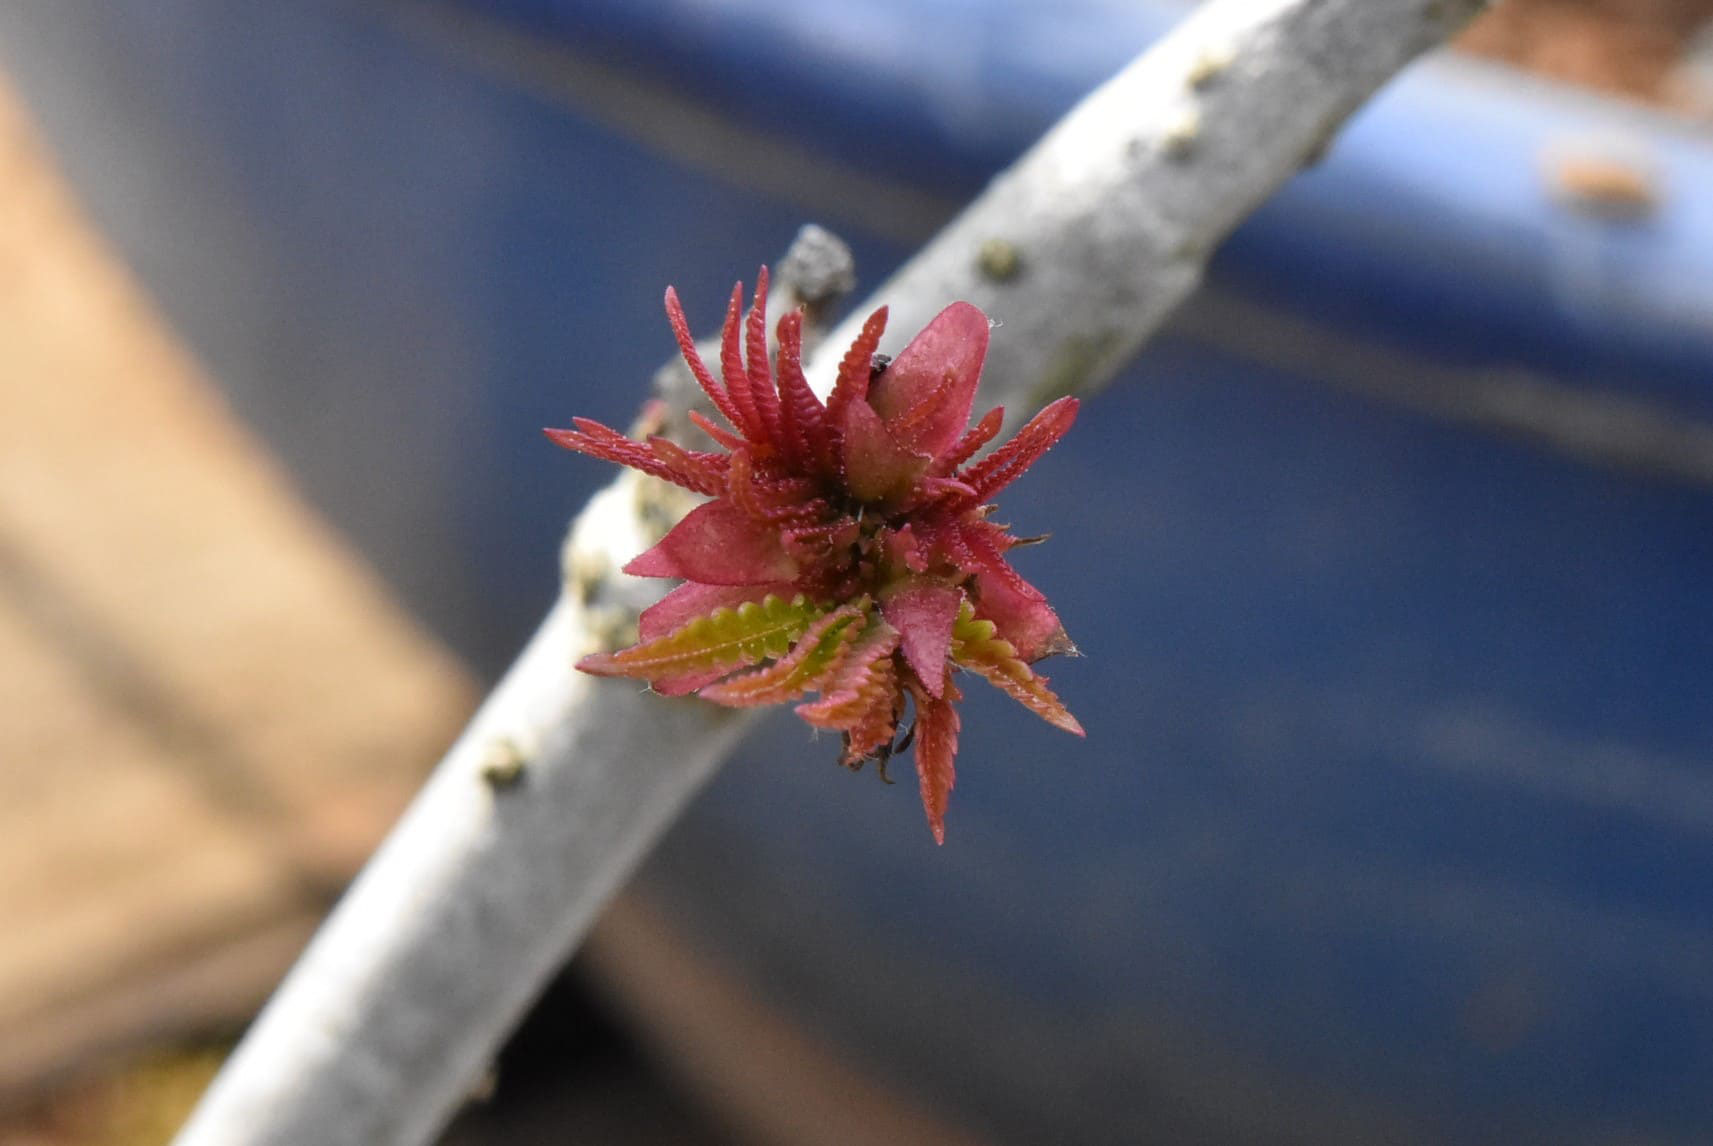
x=923, y=612
x=977, y=646
x=937, y=727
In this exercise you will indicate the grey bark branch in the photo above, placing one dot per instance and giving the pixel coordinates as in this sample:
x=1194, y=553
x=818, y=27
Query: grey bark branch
x=563, y=782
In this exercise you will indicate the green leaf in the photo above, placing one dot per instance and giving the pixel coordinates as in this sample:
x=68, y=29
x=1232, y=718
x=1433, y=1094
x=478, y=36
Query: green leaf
x=977, y=647
x=725, y=639
x=816, y=655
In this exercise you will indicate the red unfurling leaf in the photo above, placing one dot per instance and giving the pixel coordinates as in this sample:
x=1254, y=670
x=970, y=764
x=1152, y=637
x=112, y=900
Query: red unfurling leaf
x=724, y=437
x=732, y=368
x=802, y=417
x=854, y=368
x=687, y=346
x=718, y=544
x=778, y=501
x=902, y=548
x=740, y=487
x=937, y=728
x=760, y=377
x=702, y=471
x=979, y=435
x=922, y=611
x=1002, y=467
x=985, y=545
x=809, y=543
x=609, y=445
x=875, y=726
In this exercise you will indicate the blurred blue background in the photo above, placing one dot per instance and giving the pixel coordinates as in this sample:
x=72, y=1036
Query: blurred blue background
x=1389, y=560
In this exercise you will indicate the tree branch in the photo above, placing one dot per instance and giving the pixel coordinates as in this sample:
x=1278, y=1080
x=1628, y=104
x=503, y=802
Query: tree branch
x=563, y=782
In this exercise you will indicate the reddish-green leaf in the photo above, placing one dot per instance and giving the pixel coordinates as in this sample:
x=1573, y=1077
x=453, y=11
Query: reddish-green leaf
x=1022, y=615
x=977, y=647
x=724, y=639
x=866, y=673
x=815, y=655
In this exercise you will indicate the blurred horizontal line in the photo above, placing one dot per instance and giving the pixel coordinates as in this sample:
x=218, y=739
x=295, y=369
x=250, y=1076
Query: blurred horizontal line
x=679, y=127
x=1606, y=429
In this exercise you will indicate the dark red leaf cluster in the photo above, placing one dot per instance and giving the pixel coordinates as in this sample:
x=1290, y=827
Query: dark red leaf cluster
x=847, y=549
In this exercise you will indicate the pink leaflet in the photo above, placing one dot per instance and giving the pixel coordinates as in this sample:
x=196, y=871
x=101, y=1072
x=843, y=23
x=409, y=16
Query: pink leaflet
x=717, y=544
x=867, y=679
x=923, y=611
x=926, y=393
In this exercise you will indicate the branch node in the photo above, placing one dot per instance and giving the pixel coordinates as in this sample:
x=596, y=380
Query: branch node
x=1182, y=129
x=999, y=260
x=503, y=764
x=1209, y=65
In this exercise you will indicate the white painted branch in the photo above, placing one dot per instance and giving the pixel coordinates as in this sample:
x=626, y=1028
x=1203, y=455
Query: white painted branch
x=484, y=889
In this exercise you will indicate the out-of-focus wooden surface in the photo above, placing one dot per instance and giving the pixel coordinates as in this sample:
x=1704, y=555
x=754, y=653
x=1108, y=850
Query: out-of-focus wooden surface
x=209, y=712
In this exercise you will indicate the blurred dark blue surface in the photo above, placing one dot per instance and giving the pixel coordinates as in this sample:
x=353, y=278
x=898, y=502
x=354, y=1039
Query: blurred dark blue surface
x=1395, y=818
